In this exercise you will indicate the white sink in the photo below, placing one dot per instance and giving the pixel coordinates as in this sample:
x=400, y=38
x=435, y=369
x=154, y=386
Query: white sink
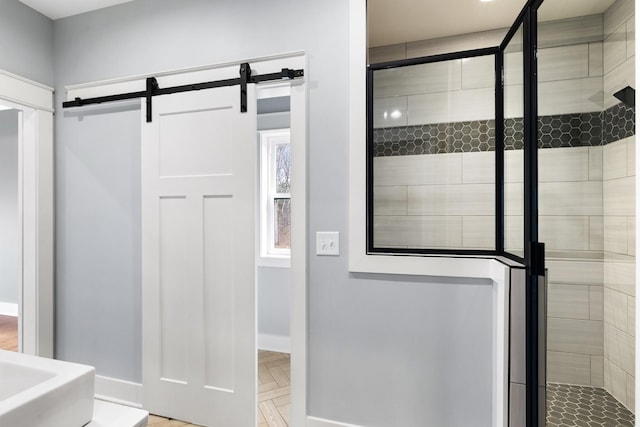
x=39, y=392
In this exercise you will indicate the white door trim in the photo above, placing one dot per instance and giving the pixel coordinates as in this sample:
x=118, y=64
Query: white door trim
x=35, y=102
x=299, y=198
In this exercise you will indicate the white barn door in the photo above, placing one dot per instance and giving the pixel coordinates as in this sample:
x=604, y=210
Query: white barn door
x=198, y=226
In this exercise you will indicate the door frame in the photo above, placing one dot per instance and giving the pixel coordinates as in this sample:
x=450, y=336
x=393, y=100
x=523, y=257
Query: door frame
x=35, y=193
x=299, y=197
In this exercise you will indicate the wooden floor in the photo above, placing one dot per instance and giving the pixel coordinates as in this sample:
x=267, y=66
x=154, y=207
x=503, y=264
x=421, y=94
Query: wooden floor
x=274, y=393
x=8, y=333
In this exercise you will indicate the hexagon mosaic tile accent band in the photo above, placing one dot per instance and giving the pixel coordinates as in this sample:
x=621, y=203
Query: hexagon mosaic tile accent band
x=563, y=130
x=572, y=406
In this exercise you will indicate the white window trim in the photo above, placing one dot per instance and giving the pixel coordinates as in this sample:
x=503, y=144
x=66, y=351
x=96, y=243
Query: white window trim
x=270, y=256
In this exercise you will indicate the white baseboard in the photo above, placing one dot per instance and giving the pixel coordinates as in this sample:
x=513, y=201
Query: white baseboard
x=277, y=343
x=320, y=422
x=8, y=309
x=118, y=391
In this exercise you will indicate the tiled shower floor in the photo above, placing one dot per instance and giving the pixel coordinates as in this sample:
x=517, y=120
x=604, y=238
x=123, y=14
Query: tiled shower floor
x=571, y=406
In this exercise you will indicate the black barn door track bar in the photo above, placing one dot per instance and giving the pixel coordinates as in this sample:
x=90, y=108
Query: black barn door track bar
x=154, y=90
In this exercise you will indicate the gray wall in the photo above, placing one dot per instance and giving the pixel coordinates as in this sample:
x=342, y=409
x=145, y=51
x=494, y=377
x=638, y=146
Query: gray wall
x=274, y=301
x=418, y=344
x=26, y=42
x=9, y=225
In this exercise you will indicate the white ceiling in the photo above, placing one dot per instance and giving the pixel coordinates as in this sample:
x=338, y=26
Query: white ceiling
x=400, y=21
x=56, y=9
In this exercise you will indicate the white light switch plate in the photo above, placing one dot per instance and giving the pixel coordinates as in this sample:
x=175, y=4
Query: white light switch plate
x=328, y=243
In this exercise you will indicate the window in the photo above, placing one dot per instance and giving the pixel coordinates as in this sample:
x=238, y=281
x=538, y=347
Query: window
x=275, y=197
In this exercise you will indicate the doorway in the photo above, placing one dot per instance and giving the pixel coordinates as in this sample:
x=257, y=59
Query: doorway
x=273, y=258
x=10, y=226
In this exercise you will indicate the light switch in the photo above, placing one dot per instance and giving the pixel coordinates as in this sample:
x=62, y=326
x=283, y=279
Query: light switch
x=328, y=243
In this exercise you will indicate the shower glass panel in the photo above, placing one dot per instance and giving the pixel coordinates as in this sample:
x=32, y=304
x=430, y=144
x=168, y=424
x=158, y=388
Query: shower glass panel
x=514, y=146
x=432, y=156
x=586, y=188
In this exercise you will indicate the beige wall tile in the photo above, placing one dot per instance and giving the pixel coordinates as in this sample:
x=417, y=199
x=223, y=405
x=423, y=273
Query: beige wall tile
x=564, y=232
x=620, y=275
x=578, y=272
x=615, y=234
x=595, y=59
x=631, y=156
x=418, y=170
x=596, y=304
x=392, y=52
x=418, y=231
x=455, y=106
x=615, y=48
x=631, y=393
x=631, y=316
x=619, y=348
x=618, y=196
x=514, y=233
x=597, y=371
x=568, y=301
x=514, y=166
x=478, y=72
x=575, y=336
x=563, y=164
x=615, y=381
x=631, y=235
x=631, y=36
x=617, y=14
x=563, y=62
x=568, y=368
x=570, y=96
x=478, y=232
x=620, y=77
x=513, y=66
x=570, y=198
x=388, y=112
x=513, y=198
x=513, y=101
x=596, y=233
x=464, y=199
x=416, y=79
x=455, y=43
x=614, y=160
x=570, y=31
x=479, y=168
x=595, y=163
x=390, y=200
x=615, y=309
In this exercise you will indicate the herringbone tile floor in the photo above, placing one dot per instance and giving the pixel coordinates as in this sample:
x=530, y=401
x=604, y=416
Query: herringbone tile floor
x=274, y=393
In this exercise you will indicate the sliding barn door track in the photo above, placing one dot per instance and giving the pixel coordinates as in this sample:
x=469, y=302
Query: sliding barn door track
x=153, y=89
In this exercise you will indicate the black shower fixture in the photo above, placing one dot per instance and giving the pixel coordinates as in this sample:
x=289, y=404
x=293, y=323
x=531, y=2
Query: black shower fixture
x=627, y=96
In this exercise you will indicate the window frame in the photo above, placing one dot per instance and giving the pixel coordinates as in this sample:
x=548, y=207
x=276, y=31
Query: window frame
x=269, y=255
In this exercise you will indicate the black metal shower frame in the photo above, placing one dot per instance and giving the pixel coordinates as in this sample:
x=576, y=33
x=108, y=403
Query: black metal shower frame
x=534, y=253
